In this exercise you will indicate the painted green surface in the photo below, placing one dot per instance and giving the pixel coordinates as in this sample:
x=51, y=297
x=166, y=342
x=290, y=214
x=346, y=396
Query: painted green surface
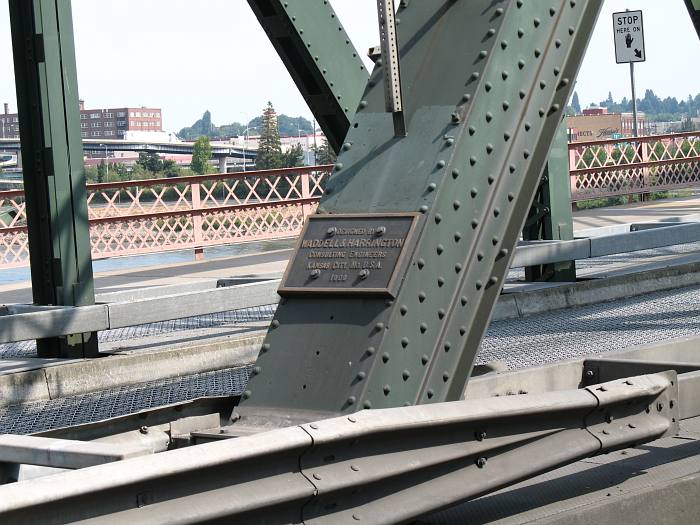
x=54, y=178
x=550, y=216
x=484, y=85
x=320, y=57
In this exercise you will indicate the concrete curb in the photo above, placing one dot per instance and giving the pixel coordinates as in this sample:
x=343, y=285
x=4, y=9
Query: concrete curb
x=523, y=304
x=82, y=377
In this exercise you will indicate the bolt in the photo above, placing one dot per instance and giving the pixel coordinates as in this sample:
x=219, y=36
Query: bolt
x=364, y=274
x=317, y=477
x=352, y=419
x=480, y=435
x=355, y=468
x=481, y=462
x=143, y=429
x=331, y=232
x=590, y=373
x=314, y=426
x=659, y=407
x=381, y=231
x=609, y=418
x=315, y=274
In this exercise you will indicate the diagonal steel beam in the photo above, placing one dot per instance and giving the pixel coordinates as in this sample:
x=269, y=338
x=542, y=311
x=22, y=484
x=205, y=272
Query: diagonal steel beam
x=694, y=10
x=320, y=57
x=484, y=84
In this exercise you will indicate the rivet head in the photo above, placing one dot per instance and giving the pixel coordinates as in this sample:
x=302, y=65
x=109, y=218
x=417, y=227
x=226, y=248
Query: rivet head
x=386, y=389
x=432, y=186
x=423, y=328
x=403, y=309
x=246, y=394
x=347, y=146
x=370, y=351
x=379, y=326
x=352, y=400
x=481, y=462
x=423, y=209
x=275, y=323
x=265, y=347
x=406, y=374
x=441, y=164
x=385, y=357
x=367, y=404
x=314, y=426
x=354, y=468
x=404, y=342
x=430, y=393
x=352, y=419
x=338, y=165
x=361, y=375
x=420, y=263
x=364, y=274
x=424, y=359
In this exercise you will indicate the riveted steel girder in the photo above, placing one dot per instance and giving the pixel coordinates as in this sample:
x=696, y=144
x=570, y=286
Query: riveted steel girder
x=550, y=216
x=319, y=56
x=694, y=10
x=54, y=176
x=484, y=84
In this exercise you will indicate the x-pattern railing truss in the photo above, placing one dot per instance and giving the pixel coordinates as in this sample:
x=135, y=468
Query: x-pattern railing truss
x=144, y=216
x=627, y=166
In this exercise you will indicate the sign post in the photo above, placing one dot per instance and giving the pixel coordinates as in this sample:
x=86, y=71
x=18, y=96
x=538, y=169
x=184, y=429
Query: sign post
x=628, y=29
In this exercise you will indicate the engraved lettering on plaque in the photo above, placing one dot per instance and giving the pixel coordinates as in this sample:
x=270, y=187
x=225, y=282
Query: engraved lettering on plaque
x=341, y=254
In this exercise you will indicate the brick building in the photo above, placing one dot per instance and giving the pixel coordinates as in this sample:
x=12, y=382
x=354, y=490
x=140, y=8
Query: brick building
x=112, y=123
x=598, y=124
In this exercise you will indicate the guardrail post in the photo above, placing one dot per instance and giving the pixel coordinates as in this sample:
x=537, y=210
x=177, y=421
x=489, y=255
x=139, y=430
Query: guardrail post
x=198, y=233
x=54, y=176
x=550, y=216
x=647, y=182
x=307, y=209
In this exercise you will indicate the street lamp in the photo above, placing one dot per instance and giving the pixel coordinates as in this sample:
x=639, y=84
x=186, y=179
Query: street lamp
x=245, y=142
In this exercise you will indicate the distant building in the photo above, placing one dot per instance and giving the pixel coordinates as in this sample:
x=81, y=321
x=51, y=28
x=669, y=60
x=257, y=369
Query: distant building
x=598, y=124
x=112, y=123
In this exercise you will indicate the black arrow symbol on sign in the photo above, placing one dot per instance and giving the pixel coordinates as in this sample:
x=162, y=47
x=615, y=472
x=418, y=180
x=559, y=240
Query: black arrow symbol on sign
x=638, y=53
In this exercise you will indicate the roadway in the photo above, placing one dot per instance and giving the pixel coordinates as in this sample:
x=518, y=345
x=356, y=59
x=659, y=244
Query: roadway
x=534, y=340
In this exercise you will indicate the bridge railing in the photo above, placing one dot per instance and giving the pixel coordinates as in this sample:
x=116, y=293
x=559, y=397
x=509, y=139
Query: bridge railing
x=610, y=168
x=146, y=216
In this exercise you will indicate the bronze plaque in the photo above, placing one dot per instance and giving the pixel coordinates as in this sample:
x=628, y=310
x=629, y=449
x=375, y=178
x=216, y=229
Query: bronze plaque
x=350, y=254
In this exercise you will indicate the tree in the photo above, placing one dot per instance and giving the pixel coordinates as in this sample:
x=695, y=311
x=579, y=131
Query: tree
x=324, y=153
x=576, y=103
x=201, y=155
x=150, y=162
x=171, y=169
x=293, y=157
x=269, y=147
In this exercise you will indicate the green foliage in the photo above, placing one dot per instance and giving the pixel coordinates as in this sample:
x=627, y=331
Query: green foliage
x=293, y=157
x=324, y=153
x=150, y=162
x=288, y=126
x=201, y=155
x=655, y=108
x=269, y=146
x=575, y=103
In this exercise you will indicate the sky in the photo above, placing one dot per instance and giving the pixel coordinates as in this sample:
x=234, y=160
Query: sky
x=187, y=56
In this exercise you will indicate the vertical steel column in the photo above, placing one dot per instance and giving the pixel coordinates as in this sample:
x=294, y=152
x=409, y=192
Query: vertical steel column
x=54, y=177
x=550, y=216
x=319, y=56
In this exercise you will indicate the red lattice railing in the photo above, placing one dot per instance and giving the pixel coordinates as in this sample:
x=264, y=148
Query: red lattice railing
x=146, y=216
x=610, y=168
